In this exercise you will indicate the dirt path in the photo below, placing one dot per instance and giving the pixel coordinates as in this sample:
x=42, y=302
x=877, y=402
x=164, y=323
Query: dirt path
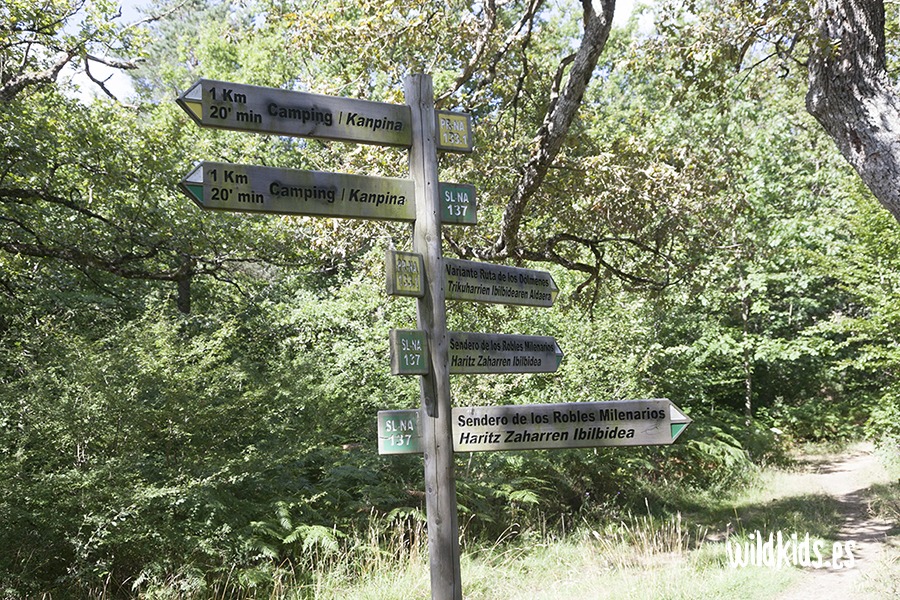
x=846, y=480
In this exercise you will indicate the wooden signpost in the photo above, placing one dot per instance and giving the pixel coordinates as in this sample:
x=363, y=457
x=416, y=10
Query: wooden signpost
x=416, y=125
x=430, y=352
x=437, y=433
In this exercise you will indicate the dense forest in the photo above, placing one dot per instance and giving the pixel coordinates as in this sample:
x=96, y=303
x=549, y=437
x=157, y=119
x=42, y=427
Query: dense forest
x=190, y=396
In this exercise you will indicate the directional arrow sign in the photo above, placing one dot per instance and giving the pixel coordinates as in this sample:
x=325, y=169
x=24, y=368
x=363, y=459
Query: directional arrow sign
x=571, y=425
x=284, y=112
x=483, y=282
x=245, y=188
x=503, y=353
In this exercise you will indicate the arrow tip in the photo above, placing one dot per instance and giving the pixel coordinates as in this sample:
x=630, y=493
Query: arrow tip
x=192, y=185
x=678, y=421
x=559, y=355
x=677, y=428
x=194, y=109
x=192, y=102
x=676, y=416
x=554, y=290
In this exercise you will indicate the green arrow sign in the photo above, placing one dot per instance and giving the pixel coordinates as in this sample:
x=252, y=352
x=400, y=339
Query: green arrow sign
x=503, y=353
x=245, y=188
x=483, y=282
x=571, y=425
x=242, y=107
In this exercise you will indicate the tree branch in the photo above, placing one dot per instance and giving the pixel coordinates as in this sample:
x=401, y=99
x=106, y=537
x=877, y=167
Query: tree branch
x=481, y=44
x=29, y=194
x=526, y=20
x=9, y=90
x=552, y=133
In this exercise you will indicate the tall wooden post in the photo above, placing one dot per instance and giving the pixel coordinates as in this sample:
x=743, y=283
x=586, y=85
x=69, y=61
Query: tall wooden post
x=440, y=480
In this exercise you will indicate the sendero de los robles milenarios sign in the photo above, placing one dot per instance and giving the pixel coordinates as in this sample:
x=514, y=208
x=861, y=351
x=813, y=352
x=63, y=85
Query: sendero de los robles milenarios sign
x=569, y=425
x=249, y=188
x=244, y=107
x=543, y=426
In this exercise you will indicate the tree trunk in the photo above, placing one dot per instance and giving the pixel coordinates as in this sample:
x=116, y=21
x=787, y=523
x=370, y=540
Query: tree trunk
x=851, y=96
x=183, y=281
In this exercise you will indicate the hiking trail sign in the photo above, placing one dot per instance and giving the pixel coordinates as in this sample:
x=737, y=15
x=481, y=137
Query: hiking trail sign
x=650, y=422
x=258, y=109
x=458, y=205
x=409, y=352
x=454, y=131
x=400, y=431
x=570, y=425
x=246, y=188
x=484, y=282
x=503, y=353
x=404, y=274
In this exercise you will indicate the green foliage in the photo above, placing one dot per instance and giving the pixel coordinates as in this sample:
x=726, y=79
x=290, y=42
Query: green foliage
x=38, y=40
x=884, y=421
x=203, y=438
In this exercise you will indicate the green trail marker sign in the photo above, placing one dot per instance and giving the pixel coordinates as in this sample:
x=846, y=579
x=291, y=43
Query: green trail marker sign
x=409, y=352
x=458, y=205
x=483, y=282
x=454, y=131
x=246, y=188
x=399, y=432
x=571, y=425
x=502, y=353
x=405, y=274
x=258, y=109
